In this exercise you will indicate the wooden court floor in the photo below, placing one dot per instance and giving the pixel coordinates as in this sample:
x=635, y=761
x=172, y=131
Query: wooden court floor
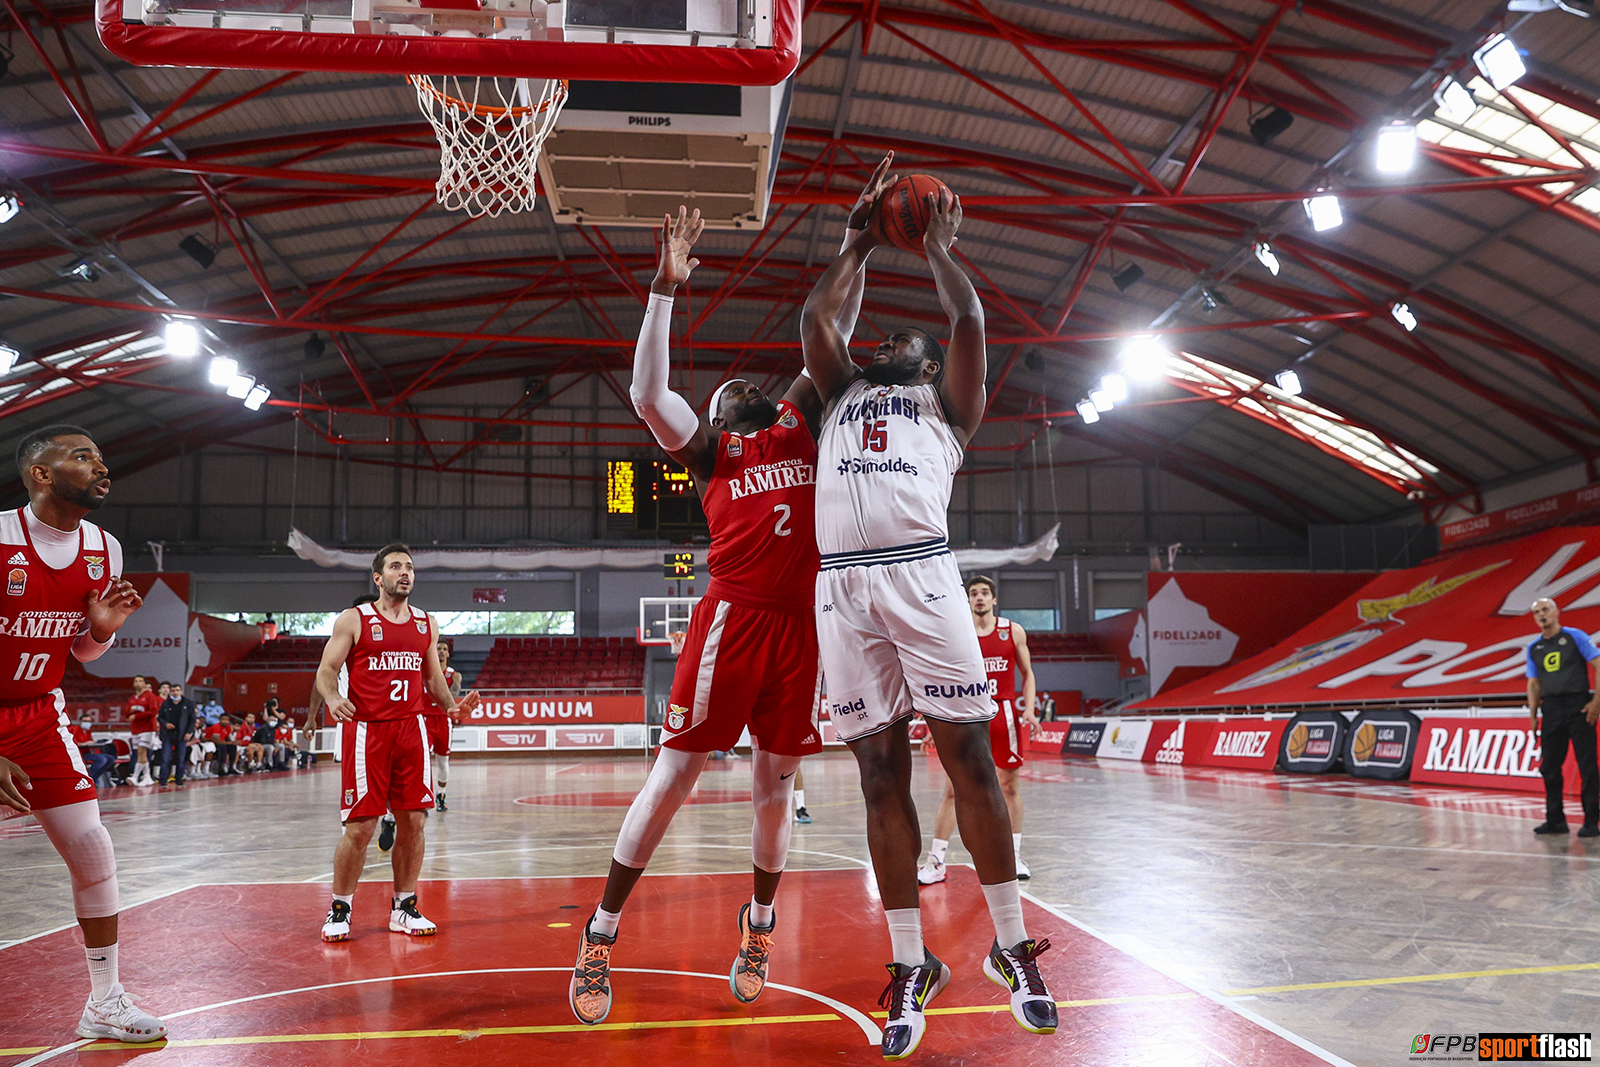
x=1197, y=917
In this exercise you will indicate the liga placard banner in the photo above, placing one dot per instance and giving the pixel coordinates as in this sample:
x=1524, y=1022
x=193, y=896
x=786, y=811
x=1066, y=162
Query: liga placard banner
x=1248, y=744
x=565, y=710
x=1313, y=743
x=1124, y=740
x=1497, y=753
x=1381, y=744
x=1456, y=627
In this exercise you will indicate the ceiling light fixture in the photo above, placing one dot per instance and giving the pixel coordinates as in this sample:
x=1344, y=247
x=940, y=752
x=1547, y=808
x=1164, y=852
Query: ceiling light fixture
x=1500, y=61
x=1268, y=258
x=1100, y=400
x=1395, y=148
x=223, y=370
x=1324, y=212
x=257, y=397
x=8, y=208
x=1288, y=382
x=1088, y=412
x=241, y=385
x=1404, y=316
x=1456, y=102
x=1115, y=386
x=1145, y=358
x=182, y=340
x=8, y=358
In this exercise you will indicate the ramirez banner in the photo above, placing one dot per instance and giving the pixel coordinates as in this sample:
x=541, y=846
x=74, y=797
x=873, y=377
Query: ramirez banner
x=1452, y=628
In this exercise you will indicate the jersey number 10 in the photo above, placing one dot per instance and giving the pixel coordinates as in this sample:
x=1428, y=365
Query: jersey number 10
x=31, y=668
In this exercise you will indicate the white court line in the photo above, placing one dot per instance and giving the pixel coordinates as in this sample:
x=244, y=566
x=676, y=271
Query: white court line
x=608, y=843
x=873, y=1034
x=1140, y=952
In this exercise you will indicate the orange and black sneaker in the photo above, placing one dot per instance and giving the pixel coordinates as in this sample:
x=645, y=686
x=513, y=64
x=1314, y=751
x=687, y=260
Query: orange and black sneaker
x=590, y=991
x=748, y=976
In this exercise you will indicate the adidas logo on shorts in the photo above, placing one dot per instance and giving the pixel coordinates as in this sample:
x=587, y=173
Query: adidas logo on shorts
x=83, y=783
x=17, y=560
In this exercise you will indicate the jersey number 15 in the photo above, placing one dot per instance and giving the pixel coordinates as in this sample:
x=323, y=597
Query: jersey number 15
x=874, y=436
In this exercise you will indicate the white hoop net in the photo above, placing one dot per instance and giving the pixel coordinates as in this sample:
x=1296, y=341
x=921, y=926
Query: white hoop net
x=490, y=131
x=676, y=639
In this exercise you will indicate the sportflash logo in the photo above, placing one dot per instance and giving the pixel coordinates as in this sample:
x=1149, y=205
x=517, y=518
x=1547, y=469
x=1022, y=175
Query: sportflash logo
x=876, y=466
x=1510, y=1048
x=395, y=661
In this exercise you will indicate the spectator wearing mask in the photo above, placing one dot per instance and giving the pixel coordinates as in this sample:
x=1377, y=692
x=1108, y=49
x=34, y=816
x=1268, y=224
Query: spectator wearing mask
x=96, y=760
x=213, y=712
x=176, y=719
x=266, y=738
x=250, y=747
x=142, y=708
x=288, y=748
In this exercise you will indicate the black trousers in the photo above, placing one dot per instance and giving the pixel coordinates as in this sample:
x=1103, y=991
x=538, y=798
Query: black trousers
x=1564, y=724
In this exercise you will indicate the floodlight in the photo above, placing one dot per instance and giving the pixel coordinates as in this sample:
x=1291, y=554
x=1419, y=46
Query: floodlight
x=1500, y=61
x=1404, y=316
x=1288, y=381
x=1395, y=150
x=1324, y=212
x=1088, y=412
x=182, y=339
x=1269, y=125
x=1268, y=258
x=1128, y=276
x=1145, y=357
x=241, y=385
x=1115, y=386
x=199, y=249
x=8, y=208
x=8, y=358
x=1456, y=102
x=1100, y=400
x=223, y=370
x=257, y=397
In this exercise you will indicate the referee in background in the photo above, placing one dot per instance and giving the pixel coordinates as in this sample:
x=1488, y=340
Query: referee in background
x=1558, y=677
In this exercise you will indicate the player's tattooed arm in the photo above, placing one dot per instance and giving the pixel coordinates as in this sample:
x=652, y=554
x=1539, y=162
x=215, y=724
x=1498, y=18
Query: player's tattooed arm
x=677, y=429
x=966, y=360
x=345, y=630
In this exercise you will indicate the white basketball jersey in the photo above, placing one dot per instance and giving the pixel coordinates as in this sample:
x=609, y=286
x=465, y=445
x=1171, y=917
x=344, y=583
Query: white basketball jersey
x=887, y=459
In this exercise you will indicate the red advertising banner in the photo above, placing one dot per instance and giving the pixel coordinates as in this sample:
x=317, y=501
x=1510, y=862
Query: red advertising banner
x=1196, y=623
x=1122, y=636
x=1456, y=627
x=214, y=643
x=1523, y=518
x=593, y=737
x=517, y=737
x=1178, y=742
x=1499, y=753
x=576, y=709
x=1047, y=739
x=1250, y=744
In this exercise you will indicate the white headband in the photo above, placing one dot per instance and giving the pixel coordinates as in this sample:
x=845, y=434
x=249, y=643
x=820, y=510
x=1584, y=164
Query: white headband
x=716, y=397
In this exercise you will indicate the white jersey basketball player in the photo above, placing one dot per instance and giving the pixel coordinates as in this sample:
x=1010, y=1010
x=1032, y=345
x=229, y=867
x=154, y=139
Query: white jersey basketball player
x=893, y=626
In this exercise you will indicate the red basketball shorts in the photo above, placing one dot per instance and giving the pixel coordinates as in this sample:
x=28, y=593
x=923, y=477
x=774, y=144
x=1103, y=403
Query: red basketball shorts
x=1007, y=735
x=746, y=667
x=438, y=733
x=33, y=735
x=385, y=768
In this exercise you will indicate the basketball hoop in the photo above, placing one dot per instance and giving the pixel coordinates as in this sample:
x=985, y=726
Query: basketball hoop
x=676, y=638
x=489, y=138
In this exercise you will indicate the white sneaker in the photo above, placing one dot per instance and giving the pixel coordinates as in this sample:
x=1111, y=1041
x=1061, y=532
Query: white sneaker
x=931, y=871
x=406, y=919
x=907, y=996
x=1023, y=874
x=118, y=1018
x=336, y=927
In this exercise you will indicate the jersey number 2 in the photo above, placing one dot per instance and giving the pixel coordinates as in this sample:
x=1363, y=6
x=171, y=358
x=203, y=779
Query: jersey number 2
x=400, y=689
x=874, y=436
x=31, y=668
x=780, y=528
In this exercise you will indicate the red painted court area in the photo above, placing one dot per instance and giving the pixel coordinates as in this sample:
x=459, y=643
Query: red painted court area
x=241, y=978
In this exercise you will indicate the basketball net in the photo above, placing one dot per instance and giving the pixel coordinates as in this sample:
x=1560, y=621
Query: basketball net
x=489, y=138
x=676, y=638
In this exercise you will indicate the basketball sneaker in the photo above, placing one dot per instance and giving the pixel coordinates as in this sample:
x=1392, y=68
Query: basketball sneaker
x=336, y=927
x=438, y=801
x=406, y=919
x=590, y=990
x=385, y=834
x=931, y=872
x=907, y=996
x=749, y=974
x=117, y=1017
x=1023, y=874
x=802, y=816
x=1017, y=969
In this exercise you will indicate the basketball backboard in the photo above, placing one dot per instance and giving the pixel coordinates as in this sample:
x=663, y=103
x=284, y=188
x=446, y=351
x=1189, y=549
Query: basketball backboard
x=664, y=620
x=717, y=42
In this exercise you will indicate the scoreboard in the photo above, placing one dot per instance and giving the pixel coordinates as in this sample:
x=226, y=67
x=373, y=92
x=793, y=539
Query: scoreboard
x=662, y=496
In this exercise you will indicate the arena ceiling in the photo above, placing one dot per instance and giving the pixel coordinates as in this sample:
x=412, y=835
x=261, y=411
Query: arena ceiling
x=1083, y=138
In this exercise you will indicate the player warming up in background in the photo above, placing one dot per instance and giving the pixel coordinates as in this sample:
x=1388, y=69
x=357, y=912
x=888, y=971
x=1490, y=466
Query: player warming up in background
x=142, y=708
x=439, y=723
x=389, y=650
x=1005, y=650
x=896, y=638
x=64, y=596
x=750, y=655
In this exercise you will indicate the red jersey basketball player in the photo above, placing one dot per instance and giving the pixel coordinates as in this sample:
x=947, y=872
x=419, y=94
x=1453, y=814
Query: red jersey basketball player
x=64, y=596
x=389, y=651
x=1004, y=645
x=749, y=658
x=439, y=723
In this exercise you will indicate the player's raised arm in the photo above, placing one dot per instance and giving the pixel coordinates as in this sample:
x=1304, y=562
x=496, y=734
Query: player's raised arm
x=673, y=422
x=966, y=361
x=334, y=653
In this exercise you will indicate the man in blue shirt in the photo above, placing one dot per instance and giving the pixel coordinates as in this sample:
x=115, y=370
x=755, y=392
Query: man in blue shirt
x=1558, y=678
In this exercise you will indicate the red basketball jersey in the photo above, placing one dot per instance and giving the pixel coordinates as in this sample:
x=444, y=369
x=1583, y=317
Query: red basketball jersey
x=1000, y=660
x=761, y=506
x=41, y=610
x=386, y=665
x=433, y=707
x=142, y=708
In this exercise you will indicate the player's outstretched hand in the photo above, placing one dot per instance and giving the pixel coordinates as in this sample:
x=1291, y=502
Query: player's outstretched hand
x=108, y=611
x=881, y=180
x=465, y=706
x=13, y=780
x=677, y=238
x=944, y=219
x=341, y=710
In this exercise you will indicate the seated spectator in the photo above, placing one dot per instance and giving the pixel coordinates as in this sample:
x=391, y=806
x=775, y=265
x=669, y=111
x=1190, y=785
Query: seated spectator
x=249, y=744
x=267, y=737
x=213, y=712
x=98, y=756
x=220, y=736
x=288, y=749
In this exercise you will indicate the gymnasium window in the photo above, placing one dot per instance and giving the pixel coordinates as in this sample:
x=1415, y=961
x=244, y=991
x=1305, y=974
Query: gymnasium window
x=1498, y=128
x=320, y=623
x=90, y=360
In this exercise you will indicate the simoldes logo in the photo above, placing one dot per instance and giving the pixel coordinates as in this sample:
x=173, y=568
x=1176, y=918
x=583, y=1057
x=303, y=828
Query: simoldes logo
x=1242, y=744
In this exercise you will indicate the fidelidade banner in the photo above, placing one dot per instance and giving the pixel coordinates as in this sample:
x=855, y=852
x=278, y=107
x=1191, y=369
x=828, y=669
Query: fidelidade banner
x=1452, y=628
x=1313, y=743
x=1381, y=743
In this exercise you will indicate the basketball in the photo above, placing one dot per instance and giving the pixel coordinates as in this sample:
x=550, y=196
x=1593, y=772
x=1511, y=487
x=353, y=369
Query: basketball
x=902, y=212
x=1366, y=740
x=1297, y=741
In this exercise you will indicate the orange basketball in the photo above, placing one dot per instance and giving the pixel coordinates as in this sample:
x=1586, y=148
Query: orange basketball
x=902, y=213
x=1366, y=741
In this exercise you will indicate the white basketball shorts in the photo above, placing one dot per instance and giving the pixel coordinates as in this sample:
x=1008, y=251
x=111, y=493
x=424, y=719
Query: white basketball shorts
x=896, y=637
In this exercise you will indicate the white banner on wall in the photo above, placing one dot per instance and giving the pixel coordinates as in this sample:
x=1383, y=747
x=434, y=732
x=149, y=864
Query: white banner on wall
x=153, y=642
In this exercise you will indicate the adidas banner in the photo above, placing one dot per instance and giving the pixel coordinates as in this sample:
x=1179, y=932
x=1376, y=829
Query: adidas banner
x=1313, y=743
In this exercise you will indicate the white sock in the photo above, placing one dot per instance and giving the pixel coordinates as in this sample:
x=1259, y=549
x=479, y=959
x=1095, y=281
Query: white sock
x=388, y=817
x=1016, y=844
x=103, y=981
x=760, y=914
x=346, y=900
x=605, y=922
x=937, y=850
x=799, y=798
x=1005, y=908
x=905, y=935
x=401, y=898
